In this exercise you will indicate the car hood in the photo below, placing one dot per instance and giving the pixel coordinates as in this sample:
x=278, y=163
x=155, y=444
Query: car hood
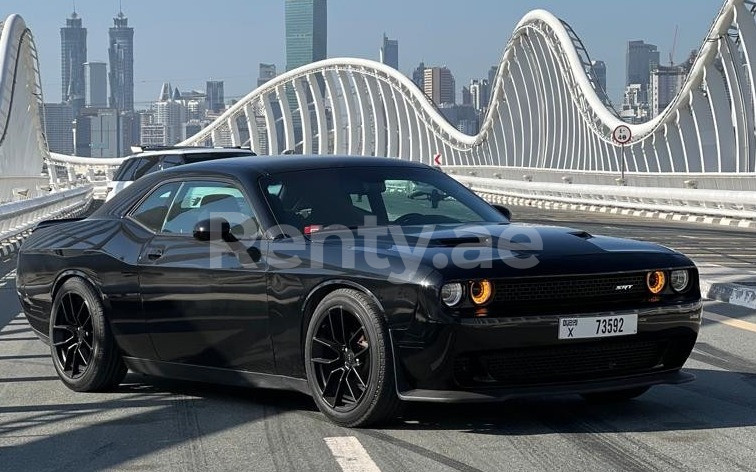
x=508, y=250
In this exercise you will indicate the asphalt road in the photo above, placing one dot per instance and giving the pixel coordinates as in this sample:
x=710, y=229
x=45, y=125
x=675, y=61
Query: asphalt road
x=154, y=424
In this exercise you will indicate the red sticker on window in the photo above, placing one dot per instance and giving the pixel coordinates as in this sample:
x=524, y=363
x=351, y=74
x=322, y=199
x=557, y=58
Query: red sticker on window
x=309, y=229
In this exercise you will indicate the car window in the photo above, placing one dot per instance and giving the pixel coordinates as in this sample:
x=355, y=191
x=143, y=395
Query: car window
x=171, y=160
x=147, y=165
x=390, y=196
x=126, y=170
x=200, y=200
x=151, y=212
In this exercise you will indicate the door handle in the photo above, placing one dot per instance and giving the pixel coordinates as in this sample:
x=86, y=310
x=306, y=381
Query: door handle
x=155, y=254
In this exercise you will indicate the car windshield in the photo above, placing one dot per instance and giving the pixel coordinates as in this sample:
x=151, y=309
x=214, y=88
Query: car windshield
x=314, y=199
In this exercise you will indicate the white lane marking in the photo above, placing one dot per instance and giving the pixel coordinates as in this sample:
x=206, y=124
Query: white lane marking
x=732, y=322
x=350, y=454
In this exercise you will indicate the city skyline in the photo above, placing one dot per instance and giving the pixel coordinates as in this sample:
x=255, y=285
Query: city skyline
x=190, y=63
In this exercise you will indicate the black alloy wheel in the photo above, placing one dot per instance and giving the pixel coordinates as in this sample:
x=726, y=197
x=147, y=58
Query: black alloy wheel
x=84, y=351
x=349, y=361
x=341, y=358
x=73, y=335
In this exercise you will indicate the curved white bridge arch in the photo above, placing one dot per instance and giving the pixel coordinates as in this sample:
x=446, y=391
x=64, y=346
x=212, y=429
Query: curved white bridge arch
x=546, y=111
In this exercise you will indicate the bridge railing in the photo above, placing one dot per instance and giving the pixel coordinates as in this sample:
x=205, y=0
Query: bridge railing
x=738, y=205
x=19, y=217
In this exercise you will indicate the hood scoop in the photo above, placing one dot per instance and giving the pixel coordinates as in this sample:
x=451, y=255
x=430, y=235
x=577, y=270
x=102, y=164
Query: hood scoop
x=581, y=234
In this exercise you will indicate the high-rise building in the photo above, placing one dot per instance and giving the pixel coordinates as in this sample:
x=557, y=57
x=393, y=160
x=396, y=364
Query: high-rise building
x=390, y=52
x=438, y=84
x=641, y=59
x=665, y=82
x=306, y=32
x=418, y=76
x=121, y=56
x=105, y=132
x=214, y=95
x=267, y=72
x=599, y=68
x=480, y=93
x=170, y=113
x=73, y=55
x=96, y=74
x=306, y=42
x=59, y=127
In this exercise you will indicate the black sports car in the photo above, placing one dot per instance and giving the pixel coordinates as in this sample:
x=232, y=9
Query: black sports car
x=364, y=282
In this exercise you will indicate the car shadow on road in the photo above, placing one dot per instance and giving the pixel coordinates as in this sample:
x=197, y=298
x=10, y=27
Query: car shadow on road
x=716, y=399
x=140, y=418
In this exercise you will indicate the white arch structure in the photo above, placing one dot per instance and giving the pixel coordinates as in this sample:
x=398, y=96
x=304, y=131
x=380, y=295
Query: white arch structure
x=22, y=141
x=548, y=123
x=546, y=111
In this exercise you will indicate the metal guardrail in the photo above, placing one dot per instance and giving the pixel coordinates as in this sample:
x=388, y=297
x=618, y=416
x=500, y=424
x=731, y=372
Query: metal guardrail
x=717, y=203
x=18, y=217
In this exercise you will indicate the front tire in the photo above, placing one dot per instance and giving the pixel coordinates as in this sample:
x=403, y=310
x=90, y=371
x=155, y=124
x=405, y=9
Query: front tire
x=615, y=396
x=349, y=362
x=83, y=349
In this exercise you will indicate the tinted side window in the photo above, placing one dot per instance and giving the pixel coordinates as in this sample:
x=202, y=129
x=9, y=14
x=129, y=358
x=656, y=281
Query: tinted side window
x=126, y=170
x=200, y=200
x=147, y=165
x=151, y=212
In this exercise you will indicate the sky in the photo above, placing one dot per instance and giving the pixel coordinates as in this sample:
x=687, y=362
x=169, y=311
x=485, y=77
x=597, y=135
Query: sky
x=189, y=42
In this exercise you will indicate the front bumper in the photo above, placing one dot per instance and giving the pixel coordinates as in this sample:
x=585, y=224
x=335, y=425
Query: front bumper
x=489, y=359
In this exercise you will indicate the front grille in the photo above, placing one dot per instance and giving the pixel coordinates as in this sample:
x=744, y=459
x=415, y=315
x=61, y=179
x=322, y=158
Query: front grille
x=574, y=362
x=566, y=294
x=575, y=287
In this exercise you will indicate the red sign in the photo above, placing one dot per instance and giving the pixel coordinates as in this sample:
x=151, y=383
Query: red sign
x=437, y=159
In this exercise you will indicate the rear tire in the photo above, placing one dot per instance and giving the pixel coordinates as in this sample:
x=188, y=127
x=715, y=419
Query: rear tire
x=84, y=352
x=615, y=396
x=349, y=362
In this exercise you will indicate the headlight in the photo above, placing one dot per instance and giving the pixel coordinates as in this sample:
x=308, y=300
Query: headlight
x=655, y=281
x=678, y=280
x=451, y=293
x=481, y=291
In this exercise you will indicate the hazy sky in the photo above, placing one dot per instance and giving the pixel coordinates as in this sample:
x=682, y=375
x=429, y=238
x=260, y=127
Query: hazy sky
x=188, y=42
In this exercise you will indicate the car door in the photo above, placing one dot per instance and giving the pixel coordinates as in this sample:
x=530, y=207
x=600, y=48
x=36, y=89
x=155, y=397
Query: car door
x=205, y=301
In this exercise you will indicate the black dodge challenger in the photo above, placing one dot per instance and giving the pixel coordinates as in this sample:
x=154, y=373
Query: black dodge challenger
x=364, y=282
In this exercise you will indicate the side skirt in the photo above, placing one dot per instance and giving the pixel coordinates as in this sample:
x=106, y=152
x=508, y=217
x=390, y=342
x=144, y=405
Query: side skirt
x=216, y=375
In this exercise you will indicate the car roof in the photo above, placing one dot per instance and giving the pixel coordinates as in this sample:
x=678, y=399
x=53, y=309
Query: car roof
x=288, y=163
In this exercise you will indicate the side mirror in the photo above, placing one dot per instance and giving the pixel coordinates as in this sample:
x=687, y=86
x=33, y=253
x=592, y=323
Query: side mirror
x=503, y=210
x=212, y=229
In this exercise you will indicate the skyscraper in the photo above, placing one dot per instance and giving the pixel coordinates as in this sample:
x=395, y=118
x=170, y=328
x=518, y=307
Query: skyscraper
x=641, y=59
x=59, y=127
x=438, y=84
x=390, y=52
x=267, y=72
x=418, y=76
x=121, y=54
x=73, y=55
x=96, y=74
x=479, y=93
x=665, y=82
x=306, y=32
x=214, y=95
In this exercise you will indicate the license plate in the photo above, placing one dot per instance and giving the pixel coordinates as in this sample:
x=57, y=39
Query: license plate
x=597, y=326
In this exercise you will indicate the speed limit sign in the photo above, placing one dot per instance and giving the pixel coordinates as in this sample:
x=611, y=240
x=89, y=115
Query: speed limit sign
x=622, y=134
